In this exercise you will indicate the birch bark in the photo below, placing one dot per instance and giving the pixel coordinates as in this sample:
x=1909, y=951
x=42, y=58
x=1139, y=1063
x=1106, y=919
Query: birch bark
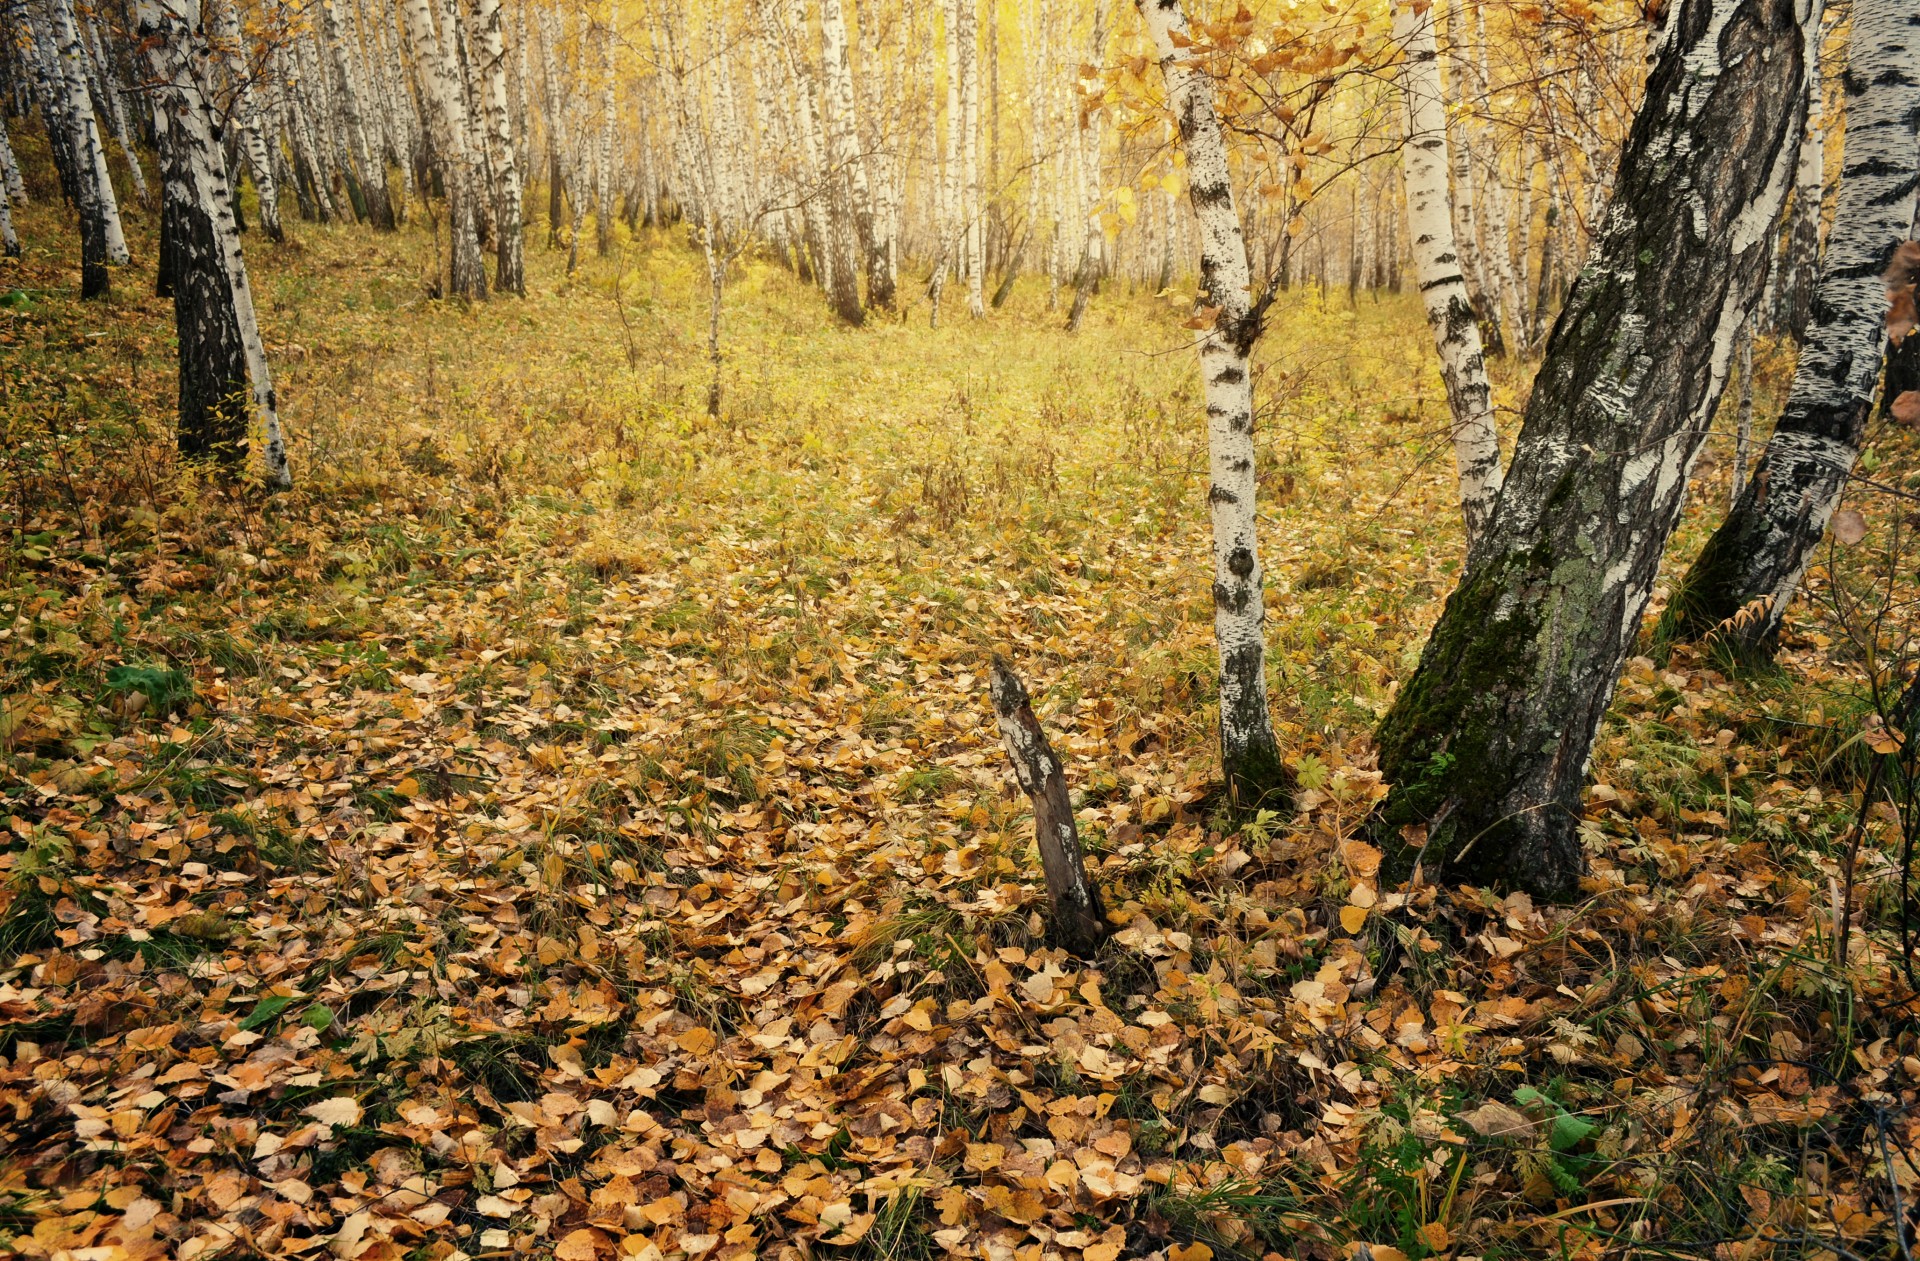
x=253, y=142
x=883, y=262
x=1249, y=751
x=439, y=81
x=853, y=193
x=972, y=209
x=12, y=188
x=1762, y=549
x=603, y=192
x=1487, y=743
x=948, y=216
x=106, y=93
x=510, y=272
x=370, y=165
x=226, y=388
x=841, y=256
x=1436, y=260
x=99, y=210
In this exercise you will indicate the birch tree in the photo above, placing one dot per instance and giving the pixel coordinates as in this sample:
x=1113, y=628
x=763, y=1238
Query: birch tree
x=12, y=190
x=370, y=166
x=1487, y=743
x=1436, y=261
x=102, y=243
x=1249, y=750
x=440, y=84
x=253, y=141
x=603, y=193
x=226, y=389
x=853, y=195
x=1762, y=550
x=510, y=271
x=972, y=207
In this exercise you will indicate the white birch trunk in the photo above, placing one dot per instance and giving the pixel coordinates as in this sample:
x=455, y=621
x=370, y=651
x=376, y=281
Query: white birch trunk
x=853, y=190
x=949, y=216
x=97, y=196
x=510, y=274
x=371, y=166
x=883, y=261
x=221, y=351
x=253, y=142
x=107, y=93
x=440, y=83
x=1249, y=750
x=603, y=193
x=11, y=186
x=1763, y=548
x=973, y=211
x=1476, y=443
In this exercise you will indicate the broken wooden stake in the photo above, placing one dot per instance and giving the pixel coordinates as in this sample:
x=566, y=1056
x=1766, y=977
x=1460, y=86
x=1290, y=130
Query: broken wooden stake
x=1079, y=921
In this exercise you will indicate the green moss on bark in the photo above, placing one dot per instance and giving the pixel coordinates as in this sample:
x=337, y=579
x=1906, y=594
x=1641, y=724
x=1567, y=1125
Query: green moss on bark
x=1444, y=744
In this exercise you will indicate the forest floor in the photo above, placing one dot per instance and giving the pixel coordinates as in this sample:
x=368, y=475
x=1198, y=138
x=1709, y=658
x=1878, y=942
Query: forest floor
x=567, y=825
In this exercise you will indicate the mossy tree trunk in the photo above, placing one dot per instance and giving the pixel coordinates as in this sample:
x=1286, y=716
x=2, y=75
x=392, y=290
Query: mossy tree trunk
x=1761, y=551
x=1488, y=742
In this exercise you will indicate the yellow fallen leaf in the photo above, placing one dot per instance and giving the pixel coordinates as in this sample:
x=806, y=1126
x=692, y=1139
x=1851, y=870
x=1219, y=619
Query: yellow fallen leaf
x=1353, y=918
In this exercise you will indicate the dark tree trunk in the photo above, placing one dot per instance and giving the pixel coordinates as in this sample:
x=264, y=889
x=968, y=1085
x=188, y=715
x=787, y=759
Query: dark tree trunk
x=214, y=388
x=1012, y=274
x=1487, y=744
x=168, y=268
x=1739, y=588
x=1903, y=371
x=1079, y=921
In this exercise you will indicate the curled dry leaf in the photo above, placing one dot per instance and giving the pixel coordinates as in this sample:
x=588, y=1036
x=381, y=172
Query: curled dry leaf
x=1497, y=1120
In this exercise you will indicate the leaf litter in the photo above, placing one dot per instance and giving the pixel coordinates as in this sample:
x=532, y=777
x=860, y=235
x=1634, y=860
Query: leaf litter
x=600, y=847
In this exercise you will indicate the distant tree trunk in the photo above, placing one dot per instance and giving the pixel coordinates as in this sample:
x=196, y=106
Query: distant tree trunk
x=11, y=186
x=101, y=241
x=948, y=215
x=510, y=273
x=1802, y=265
x=973, y=208
x=1762, y=549
x=1487, y=743
x=1249, y=750
x=1079, y=919
x=225, y=385
x=836, y=241
x=603, y=193
x=370, y=165
x=440, y=83
x=883, y=260
x=1443, y=286
x=853, y=195
x=545, y=22
x=107, y=93
x=1743, y=415
x=11, y=190
x=226, y=25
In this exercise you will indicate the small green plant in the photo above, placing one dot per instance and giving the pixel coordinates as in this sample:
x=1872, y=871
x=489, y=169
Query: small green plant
x=164, y=688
